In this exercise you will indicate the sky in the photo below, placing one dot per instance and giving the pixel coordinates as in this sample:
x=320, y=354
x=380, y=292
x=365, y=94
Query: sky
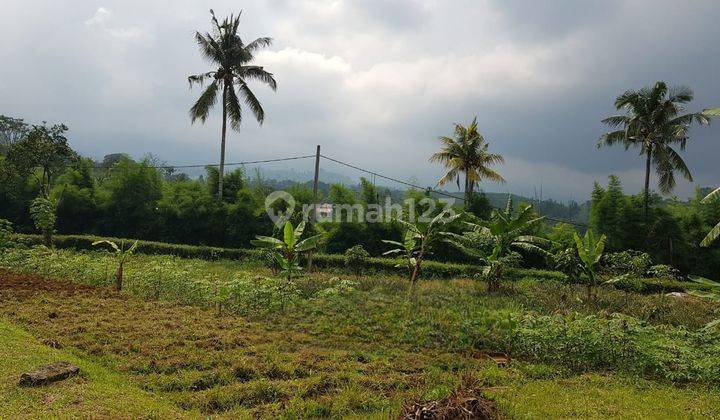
x=374, y=82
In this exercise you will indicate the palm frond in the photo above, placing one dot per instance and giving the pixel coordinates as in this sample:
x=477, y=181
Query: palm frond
x=252, y=102
x=210, y=48
x=201, y=109
x=712, y=196
x=711, y=236
x=258, y=73
x=258, y=44
x=233, y=108
x=199, y=79
x=616, y=120
x=681, y=94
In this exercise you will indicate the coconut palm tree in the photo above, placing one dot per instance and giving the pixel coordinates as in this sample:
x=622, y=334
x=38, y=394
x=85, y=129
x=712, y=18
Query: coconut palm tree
x=226, y=51
x=467, y=153
x=654, y=122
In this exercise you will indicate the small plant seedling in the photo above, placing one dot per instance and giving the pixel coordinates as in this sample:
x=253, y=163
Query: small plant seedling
x=121, y=255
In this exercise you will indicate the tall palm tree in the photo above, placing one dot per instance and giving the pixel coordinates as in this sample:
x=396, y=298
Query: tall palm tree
x=467, y=153
x=224, y=49
x=654, y=122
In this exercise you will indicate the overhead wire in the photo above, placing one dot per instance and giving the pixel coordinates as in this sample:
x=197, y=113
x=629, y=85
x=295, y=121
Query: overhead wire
x=431, y=190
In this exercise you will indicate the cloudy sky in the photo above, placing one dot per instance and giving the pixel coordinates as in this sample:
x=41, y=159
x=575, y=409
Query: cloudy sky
x=375, y=82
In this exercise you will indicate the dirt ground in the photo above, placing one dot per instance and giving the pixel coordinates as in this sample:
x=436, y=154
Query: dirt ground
x=27, y=284
x=218, y=364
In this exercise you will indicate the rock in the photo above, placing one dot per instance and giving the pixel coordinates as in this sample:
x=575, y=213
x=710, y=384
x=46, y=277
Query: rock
x=49, y=373
x=680, y=296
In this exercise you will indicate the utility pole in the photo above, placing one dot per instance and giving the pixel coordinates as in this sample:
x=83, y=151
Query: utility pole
x=313, y=214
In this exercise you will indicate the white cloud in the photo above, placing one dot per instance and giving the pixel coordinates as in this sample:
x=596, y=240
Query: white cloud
x=101, y=15
x=374, y=82
x=100, y=21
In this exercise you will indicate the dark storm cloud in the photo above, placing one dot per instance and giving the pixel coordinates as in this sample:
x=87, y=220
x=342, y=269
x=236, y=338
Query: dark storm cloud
x=374, y=82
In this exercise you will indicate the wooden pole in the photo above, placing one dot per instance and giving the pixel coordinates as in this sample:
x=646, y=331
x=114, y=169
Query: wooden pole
x=313, y=214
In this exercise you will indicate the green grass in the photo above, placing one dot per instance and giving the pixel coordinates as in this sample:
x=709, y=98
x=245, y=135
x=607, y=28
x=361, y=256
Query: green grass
x=212, y=339
x=606, y=396
x=97, y=392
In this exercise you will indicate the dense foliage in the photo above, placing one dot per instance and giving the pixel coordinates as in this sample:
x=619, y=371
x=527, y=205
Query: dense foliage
x=671, y=234
x=126, y=198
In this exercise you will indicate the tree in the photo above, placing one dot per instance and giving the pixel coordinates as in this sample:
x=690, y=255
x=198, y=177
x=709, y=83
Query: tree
x=75, y=194
x=11, y=131
x=368, y=192
x=607, y=211
x=654, y=122
x=44, y=151
x=225, y=50
x=467, y=153
x=130, y=199
x=418, y=241
x=340, y=194
x=232, y=183
x=590, y=251
x=503, y=233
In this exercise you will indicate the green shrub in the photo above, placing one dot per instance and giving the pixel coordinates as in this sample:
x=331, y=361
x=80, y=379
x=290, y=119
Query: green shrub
x=42, y=212
x=628, y=283
x=84, y=242
x=653, y=285
x=626, y=262
x=328, y=262
x=257, y=296
x=567, y=261
x=6, y=234
x=356, y=258
x=618, y=343
x=664, y=271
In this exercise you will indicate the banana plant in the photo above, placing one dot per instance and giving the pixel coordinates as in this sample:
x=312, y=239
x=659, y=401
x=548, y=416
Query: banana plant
x=287, y=250
x=505, y=232
x=407, y=249
x=711, y=291
x=715, y=231
x=418, y=240
x=121, y=255
x=590, y=250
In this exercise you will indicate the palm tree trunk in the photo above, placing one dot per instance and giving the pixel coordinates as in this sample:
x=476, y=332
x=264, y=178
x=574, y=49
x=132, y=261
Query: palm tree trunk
x=646, y=193
x=467, y=189
x=222, y=143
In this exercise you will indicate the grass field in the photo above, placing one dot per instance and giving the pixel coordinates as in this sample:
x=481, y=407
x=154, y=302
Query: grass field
x=241, y=346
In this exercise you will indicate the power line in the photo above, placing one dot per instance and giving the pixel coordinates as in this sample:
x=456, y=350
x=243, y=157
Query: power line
x=432, y=190
x=367, y=171
x=250, y=162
